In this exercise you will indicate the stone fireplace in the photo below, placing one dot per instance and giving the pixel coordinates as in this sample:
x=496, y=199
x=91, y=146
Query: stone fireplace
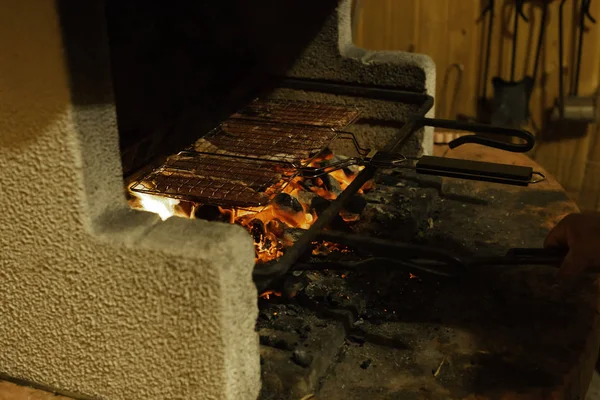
x=101, y=301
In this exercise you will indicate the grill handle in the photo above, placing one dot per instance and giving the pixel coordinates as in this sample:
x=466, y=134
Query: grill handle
x=527, y=137
x=476, y=170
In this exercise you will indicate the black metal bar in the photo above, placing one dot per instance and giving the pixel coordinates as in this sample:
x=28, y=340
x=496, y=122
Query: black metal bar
x=372, y=262
x=475, y=170
x=486, y=71
x=513, y=59
x=561, y=89
x=345, y=89
x=575, y=89
x=483, y=128
x=523, y=256
x=390, y=248
x=538, y=50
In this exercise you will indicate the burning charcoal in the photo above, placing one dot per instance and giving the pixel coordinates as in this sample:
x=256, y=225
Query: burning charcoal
x=257, y=230
x=209, y=213
x=332, y=184
x=276, y=227
x=365, y=364
x=291, y=235
x=287, y=203
x=306, y=197
x=302, y=358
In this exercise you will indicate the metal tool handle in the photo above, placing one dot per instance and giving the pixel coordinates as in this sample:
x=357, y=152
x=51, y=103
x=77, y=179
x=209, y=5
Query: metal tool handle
x=476, y=170
x=483, y=128
x=539, y=256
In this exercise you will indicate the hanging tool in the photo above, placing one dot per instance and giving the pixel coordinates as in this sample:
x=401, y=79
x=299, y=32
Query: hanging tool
x=419, y=258
x=574, y=107
x=511, y=98
x=483, y=105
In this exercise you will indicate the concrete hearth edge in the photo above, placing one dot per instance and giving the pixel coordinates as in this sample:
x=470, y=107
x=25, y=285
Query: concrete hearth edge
x=97, y=299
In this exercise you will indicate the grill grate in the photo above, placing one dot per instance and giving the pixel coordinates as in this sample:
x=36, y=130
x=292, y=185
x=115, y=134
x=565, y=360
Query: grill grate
x=251, y=156
x=300, y=113
x=267, y=141
x=216, y=180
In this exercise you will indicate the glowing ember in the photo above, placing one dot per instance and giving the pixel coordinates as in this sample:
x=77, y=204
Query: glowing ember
x=269, y=226
x=412, y=276
x=267, y=295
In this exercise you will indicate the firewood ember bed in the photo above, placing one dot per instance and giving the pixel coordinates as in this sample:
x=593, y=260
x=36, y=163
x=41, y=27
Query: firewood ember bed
x=389, y=333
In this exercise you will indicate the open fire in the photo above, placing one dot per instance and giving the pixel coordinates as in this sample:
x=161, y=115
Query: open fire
x=293, y=209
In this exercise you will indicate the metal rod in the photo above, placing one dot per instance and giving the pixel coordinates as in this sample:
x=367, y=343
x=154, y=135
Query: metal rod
x=540, y=40
x=398, y=250
x=488, y=51
x=370, y=263
x=561, y=90
x=514, y=48
x=584, y=7
x=373, y=92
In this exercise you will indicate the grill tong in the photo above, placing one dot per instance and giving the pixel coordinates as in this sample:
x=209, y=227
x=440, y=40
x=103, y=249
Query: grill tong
x=450, y=167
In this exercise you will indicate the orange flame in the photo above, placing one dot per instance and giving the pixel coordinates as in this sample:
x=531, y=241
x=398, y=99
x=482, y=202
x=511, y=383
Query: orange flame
x=269, y=234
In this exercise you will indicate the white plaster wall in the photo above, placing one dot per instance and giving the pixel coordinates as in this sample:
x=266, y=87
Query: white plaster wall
x=96, y=299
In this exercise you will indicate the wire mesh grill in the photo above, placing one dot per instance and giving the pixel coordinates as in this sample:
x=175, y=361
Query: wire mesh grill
x=300, y=113
x=216, y=180
x=275, y=142
x=251, y=157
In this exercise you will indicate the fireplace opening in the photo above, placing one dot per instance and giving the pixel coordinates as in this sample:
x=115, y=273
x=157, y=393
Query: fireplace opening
x=322, y=152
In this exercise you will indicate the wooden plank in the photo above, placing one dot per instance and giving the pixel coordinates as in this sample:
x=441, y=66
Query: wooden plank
x=450, y=32
x=10, y=391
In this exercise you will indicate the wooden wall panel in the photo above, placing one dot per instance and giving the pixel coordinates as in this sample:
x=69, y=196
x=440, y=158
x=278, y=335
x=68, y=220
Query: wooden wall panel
x=452, y=32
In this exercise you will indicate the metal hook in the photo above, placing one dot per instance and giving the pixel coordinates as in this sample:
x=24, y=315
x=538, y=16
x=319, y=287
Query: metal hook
x=586, y=10
x=519, y=9
x=489, y=8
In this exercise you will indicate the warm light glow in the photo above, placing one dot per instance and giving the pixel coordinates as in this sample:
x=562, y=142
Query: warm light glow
x=163, y=206
x=269, y=225
x=267, y=295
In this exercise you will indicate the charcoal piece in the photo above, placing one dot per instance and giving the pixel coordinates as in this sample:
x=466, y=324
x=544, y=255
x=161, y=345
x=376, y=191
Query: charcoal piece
x=257, y=230
x=265, y=315
x=292, y=234
x=210, y=213
x=292, y=286
x=355, y=205
x=350, y=169
x=365, y=364
x=306, y=197
x=319, y=204
x=276, y=342
x=287, y=203
x=331, y=184
x=302, y=358
x=276, y=227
